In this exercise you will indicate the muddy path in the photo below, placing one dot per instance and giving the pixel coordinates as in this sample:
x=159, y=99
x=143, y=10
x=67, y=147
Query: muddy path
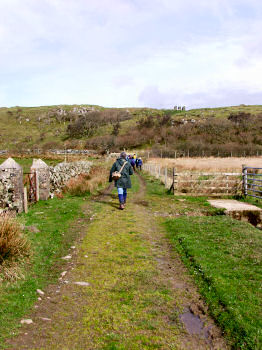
x=123, y=288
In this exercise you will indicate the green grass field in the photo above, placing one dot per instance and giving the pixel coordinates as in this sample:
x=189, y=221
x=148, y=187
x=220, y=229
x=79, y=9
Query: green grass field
x=224, y=256
x=53, y=219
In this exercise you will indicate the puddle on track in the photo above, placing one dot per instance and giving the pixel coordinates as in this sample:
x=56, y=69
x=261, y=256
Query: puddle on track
x=193, y=324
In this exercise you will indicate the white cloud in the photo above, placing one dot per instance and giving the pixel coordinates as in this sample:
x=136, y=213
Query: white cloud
x=117, y=52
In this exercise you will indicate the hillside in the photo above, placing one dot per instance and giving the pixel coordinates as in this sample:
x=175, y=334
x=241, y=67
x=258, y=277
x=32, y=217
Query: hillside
x=213, y=131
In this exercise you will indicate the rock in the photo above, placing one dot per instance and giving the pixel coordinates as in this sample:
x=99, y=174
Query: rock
x=32, y=228
x=45, y=319
x=67, y=257
x=85, y=284
x=39, y=291
x=26, y=321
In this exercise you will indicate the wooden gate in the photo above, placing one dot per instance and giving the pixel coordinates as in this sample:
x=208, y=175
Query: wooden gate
x=32, y=186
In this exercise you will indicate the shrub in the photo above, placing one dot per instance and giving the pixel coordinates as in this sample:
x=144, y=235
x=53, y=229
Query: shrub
x=87, y=183
x=12, y=242
x=13, y=247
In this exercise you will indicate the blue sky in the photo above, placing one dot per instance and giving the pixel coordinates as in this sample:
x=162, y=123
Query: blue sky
x=123, y=53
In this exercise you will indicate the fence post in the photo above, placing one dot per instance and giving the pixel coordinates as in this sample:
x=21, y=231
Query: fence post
x=25, y=201
x=174, y=177
x=244, y=175
x=36, y=187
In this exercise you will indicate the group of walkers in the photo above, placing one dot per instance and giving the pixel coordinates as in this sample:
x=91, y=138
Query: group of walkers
x=120, y=173
x=135, y=162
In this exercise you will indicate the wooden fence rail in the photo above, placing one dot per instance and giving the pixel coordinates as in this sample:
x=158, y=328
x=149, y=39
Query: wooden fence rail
x=204, y=183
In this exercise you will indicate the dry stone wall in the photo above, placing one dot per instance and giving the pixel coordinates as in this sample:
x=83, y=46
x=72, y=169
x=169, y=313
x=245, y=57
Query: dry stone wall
x=63, y=172
x=11, y=186
x=49, y=180
x=43, y=174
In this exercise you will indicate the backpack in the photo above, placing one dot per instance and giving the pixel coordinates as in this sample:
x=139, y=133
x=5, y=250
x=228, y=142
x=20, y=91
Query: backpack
x=117, y=174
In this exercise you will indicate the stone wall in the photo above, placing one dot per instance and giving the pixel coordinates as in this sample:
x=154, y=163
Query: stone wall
x=50, y=180
x=11, y=186
x=43, y=175
x=63, y=172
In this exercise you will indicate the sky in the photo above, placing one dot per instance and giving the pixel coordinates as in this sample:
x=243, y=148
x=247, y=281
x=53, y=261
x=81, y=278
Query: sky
x=131, y=53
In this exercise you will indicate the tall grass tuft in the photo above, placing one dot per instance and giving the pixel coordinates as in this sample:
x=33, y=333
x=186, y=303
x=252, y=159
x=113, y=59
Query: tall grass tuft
x=13, y=247
x=87, y=183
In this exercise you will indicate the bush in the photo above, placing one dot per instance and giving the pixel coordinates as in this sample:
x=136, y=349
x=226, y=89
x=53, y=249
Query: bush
x=87, y=183
x=12, y=242
x=13, y=247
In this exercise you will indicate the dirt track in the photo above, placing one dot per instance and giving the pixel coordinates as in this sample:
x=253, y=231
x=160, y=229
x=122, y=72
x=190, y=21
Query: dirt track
x=139, y=295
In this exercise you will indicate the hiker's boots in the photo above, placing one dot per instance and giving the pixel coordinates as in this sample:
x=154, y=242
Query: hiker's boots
x=122, y=206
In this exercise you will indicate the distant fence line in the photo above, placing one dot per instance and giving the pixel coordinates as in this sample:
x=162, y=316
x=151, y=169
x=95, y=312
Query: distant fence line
x=197, y=183
x=37, y=151
x=162, y=153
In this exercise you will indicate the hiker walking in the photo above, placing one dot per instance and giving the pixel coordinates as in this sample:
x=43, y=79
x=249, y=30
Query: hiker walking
x=120, y=173
x=139, y=163
x=133, y=163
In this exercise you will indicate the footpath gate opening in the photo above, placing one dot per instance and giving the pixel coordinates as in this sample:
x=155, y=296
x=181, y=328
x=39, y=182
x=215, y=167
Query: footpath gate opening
x=31, y=187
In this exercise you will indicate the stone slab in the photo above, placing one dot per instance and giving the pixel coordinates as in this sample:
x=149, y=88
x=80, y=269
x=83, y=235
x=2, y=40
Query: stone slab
x=233, y=205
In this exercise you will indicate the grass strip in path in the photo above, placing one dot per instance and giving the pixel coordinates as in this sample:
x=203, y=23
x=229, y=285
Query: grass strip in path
x=52, y=218
x=125, y=306
x=225, y=257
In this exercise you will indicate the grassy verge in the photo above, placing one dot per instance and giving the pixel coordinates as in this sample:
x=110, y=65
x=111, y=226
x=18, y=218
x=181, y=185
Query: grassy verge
x=53, y=219
x=225, y=257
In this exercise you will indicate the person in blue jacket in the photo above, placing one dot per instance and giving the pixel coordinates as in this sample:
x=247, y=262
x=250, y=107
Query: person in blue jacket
x=139, y=164
x=124, y=182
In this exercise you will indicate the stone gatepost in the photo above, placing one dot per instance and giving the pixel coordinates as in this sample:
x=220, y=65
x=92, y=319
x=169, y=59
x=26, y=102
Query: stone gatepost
x=11, y=186
x=43, y=173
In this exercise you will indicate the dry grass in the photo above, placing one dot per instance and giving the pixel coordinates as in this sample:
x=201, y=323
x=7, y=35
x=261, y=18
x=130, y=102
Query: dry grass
x=87, y=183
x=213, y=164
x=13, y=247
